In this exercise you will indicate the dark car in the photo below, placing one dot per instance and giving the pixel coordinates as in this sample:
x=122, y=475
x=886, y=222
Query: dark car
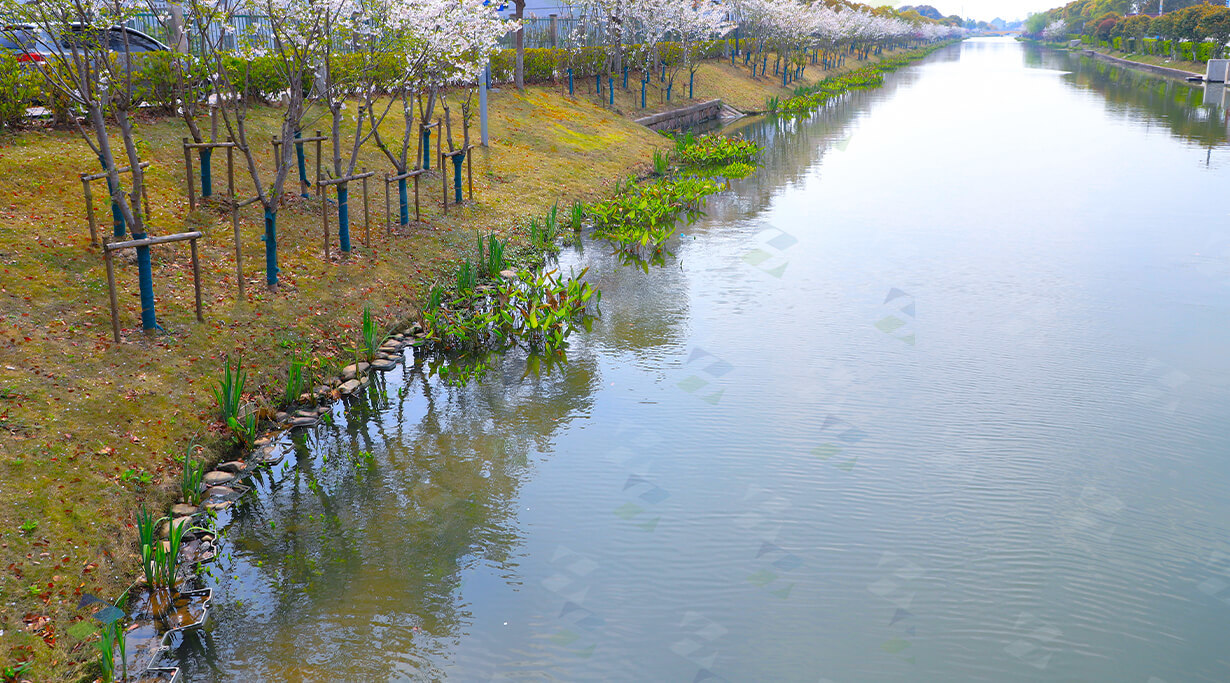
x=120, y=39
x=26, y=42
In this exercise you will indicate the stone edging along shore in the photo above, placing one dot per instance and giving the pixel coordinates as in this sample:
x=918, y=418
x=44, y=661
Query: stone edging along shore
x=223, y=487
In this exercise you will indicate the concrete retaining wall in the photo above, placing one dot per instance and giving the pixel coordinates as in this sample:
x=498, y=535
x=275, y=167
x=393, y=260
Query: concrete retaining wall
x=1159, y=70
x=685, y=117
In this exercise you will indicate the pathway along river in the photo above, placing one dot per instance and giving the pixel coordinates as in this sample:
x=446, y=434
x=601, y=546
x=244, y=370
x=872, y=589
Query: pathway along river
x=939, y=394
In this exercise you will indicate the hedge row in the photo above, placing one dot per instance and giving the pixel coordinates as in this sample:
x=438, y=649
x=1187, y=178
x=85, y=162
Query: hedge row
x=156, y=85
x=1186, y=50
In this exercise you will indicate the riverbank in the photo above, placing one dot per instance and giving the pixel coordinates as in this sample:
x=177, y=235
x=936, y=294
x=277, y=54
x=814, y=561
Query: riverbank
x=91, y=430
x=1161, y=66
x=1139, y=62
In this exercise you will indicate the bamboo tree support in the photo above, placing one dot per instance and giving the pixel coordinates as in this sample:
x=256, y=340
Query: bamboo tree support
x=210, y=146
x=425, y=136
x=388, y=211
x=469, y=171
x=304, y=183
x=87, y=178
x=192, y=237
x=324, y=206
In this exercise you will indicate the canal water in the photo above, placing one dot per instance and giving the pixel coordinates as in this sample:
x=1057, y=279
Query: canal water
x=939, y=394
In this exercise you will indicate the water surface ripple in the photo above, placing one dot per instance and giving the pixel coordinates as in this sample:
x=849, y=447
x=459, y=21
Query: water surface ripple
x=939, y=394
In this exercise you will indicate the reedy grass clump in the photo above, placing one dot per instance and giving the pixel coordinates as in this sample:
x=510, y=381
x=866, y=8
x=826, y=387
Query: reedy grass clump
x=190, y=480
x=374, y=334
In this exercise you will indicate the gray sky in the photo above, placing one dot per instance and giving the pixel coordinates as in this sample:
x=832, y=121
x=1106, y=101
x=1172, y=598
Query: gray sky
x=987, y=10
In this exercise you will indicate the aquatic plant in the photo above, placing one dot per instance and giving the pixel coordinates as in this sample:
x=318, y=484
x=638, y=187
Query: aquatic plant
x=112, y=641
x=243, y=429
x=491, y=262
x=576, y=216
x=228, y=391
x=296, y=380
x=543, y=236
x=642, y=216
x=146, y=535
x=467, y=278
x=661, y=162
x=190, y=480
x=717, y=150
x=374, y=335
x=435, y=297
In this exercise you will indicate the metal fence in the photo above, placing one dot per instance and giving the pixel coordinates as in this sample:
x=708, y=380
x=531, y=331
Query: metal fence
x=564, y=31
x=559, y=32
x=248, y=28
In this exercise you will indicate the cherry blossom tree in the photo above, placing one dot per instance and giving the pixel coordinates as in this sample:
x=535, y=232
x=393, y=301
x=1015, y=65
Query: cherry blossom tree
x=82, y=69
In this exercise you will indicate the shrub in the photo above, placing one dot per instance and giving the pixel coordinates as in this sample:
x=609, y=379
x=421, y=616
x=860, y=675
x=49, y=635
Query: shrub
x=18, y=88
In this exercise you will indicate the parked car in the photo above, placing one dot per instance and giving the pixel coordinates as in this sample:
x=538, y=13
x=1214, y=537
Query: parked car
x=120, y=39
x=30, y=43
x=26, y=42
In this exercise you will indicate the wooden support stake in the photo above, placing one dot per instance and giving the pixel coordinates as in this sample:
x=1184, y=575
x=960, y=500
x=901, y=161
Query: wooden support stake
x=89, y=210
x=188, y=166
x=115, y=306
x=196, y=279
x=367, y=221
x=443, y=181
x=388, y=216
x=470, y=170
x=418, y=218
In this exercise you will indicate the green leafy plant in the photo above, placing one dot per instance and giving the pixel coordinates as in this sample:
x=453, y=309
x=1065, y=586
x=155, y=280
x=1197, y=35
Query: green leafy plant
x=243, y=429
x=296, y=380
x=543, y=236
x=576, y=216
x=491, y=260
x=641, y=217
x=373, y=334
x=12, y=673
x=147, y=537
x=228, y=391
x=111, y=643
x=28, y=526
x=661, y=162
x=190, y=480
x=467, y=277
x=712, y=149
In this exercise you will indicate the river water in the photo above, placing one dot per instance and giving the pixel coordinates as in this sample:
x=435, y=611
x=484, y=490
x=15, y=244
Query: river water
x=939, y=394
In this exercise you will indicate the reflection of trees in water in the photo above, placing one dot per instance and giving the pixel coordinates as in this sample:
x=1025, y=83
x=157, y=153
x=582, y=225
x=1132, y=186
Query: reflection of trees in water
x=642, y=310
x=349, y=565
x=1177, y=105
x=793, y=144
